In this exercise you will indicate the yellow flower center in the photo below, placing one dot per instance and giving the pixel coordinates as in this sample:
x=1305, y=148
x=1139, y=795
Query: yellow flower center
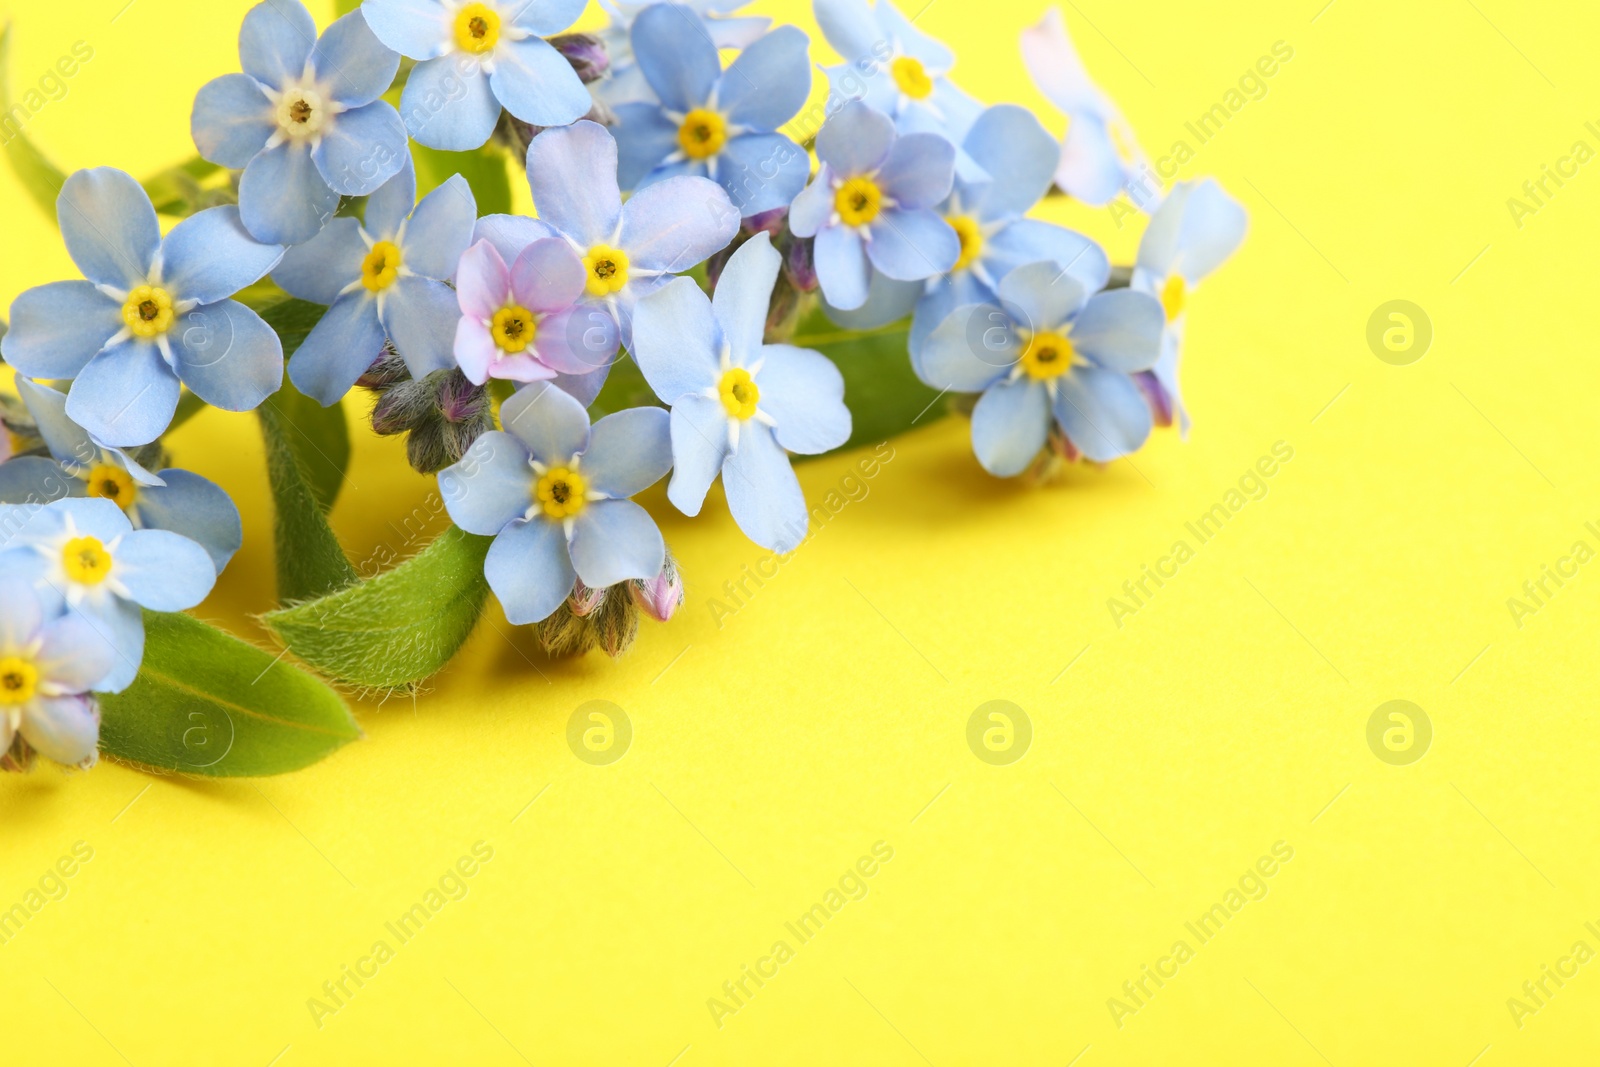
x=381, y=267
x=858, y=201
x=514, y=328
x=971, y=235
x=1173, y=296
x=147, y=311
x=912, y=79
x=606, y=270
x=1048, y=355
x=702, y=134
x=86, y=561
x=300, y=114
x=739, y=393
x=19, y=680
x=477, y=28
x=113, y=484
x=560, y=492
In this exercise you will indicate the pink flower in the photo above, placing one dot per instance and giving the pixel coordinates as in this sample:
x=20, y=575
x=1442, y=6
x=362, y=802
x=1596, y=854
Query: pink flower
x=523, y=322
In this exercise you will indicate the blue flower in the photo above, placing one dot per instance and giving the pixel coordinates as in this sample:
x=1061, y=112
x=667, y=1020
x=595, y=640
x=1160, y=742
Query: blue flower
x=553, y=492
x=153, y=312
x=1049, y=348
x=737, y=403
x=48, y=665
x=714, y=124
x=869, y=206
x=1099, y=156
x=174, y=500
x=625, y=82
x=1194, y=230
x=475, y=57
x=384, y=278
x=303, y=121
x=896, y=69
x=84, y=556
x=629, y=249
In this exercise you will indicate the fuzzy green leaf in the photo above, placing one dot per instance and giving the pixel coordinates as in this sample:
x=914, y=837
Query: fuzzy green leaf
x=40, y=177
x=207, y=703
x=394, y=630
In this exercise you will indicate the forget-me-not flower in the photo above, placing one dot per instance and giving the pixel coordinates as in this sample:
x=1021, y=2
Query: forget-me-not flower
x=48, y=665
x=475, y=56
x=1099, y=155
x=384, y=278
x=152, y=313
x=629, y=249
x=870, y=207
x=1194, y=230
x=303, y=121
x=553, y=492
x=1048, y=349
x=522, y=323
x=78, y=465
x=737, y=403
x=625, y=83
x=714, y=124
x=84, y=556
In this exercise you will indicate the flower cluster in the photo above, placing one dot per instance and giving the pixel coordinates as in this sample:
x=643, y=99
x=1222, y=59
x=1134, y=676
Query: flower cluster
x=690, y=215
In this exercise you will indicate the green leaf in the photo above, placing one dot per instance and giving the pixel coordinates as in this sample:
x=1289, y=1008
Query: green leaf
x=393, y=631
x=883, y=393
x=320, y=437
x=484, y=169
x=310, y=561
x=177, y=190
x=40, y=177
x=207, y=703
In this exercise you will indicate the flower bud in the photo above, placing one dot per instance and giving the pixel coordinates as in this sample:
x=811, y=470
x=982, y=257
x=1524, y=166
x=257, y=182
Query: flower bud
x=616, y=622
x=587, y=54
x=773, y=223
x=661, y=596
x=565, y=634
x=584, y=601
x=386, y=370
x=1156, y=395
x=801, y=266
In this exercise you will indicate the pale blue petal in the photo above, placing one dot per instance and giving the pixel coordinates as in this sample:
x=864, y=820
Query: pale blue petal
x=887, y=301
x=420, y=316
x=440, y=230
x=583, y=387
x=24, y=614
x=573, y=174
x=842, y=267
x=65, y=728
x=542, y=18
x=804, y=393
x=66, y=440
x=762, y=172
x=552, y=425
x=320, y=269
x=676, y=224
x=231, y=121
x=628, y=453
x=510, y=234
x=391, y=205
x=209, y=256
x=1041, y=296
x=1009, y=426
x=699, y=448
x=275, y=42
x=856, y=140
x=920, y=170
x=537, y=84
x=1120, y=329
x=615, y=541
x=94, y=516
x=449, y=104
x=416, y=28
x=196, y=508
x=813, y=207
x=71, y=655
x=125, y=396
x=109, y=227
x=763, y=493
x=908, y=245
x=56, y=329
x=490, y=486
x=676, y=341
x=283, y=199
x=743, y=295
x=362, y=149
x=1090, y=169
x=1020, y=156
x=530, y=570
x=228, y=356
x=351, y=60
x=35, y=480
x=897, y=28
x=955, y=112
x=1103, y=413
x=969, y=351
x=850, y=27
x=338, y=350
x=1214, y=225
x=1031, y=241
x=875, y=87
x=164, y=571
x=960, y=289
x=679, y=60
x=119, y=627
x=645, y=137
x=769, y=82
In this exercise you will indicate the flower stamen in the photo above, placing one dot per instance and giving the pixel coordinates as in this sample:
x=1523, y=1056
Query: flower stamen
x=912, y=77
x=86, y=560
x=971, y=234
x=739, y=393
x=19, y=681
x=381, y=267
x=560, y=493
x=477, y=28
x=148, y=311
x=114, y=484
x=858, y=201
x=514, y=328
x=605, y=270
x=702, y=134
x=1048, y=355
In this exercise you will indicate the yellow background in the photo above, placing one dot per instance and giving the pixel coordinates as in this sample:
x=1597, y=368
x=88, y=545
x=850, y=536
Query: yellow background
x=830, y=712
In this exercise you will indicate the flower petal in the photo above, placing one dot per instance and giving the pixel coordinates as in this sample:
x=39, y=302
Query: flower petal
x=65, y=729
x=1050, y=57
x=1027, y=241
x=1091, y=168
x=970, y=350
x=583, y=387
x=1009, y=426
x=573, y=174
x=449, y=104
x=275, y=41
x=35, y=480
x=850, y=28
x=536, y=83
x=1103, y=413
x=196, y=508
x=769, y=82
x=543, y=18
x=231, y=121
x=510, y=234
x=941, y=297
x=209, y=256
x=109, y=227
x=699, y=448
x=1120, y=329
x=338, y=350
x=614, y=541
x=228, y=356
x=390, y=206
x=645, y=138
x=804, y=393
x=351, y=61
x=24, y=613
x=125, y=396
x=490, y=486
x=743, y=295
x=843, y=270
x=547, y=277
x=119, y=626
x=164, y=571
x=856, y=140
x=362, y=149
x=813, y=206
x=483, y=282
x=677, y=341
x=1210, y=227
x=913, y=41
x=762, y=172
x=679, y=60
x=66, y=440
x=920, y=170
x=579, y=341
x=628, y=453
x=552, y=425
x=676, y=224
x=763, y=492
x=419, y=29
x=320, y=269
x=56, y=329
x=887, y=301
x=420, y=317
x=283, y=198
x=72, y=656
x=1019, y=155
x=1042, y=296
x=530, y=570
x=440, y=230
x=909, y=245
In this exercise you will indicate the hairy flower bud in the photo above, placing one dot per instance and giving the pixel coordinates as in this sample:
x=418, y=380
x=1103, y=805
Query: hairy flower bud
x=661, y=596
x=587, y=54
x=616, y=621
x=442, y=414
x=800, y=264
x=565, y=634
x=584, y=601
